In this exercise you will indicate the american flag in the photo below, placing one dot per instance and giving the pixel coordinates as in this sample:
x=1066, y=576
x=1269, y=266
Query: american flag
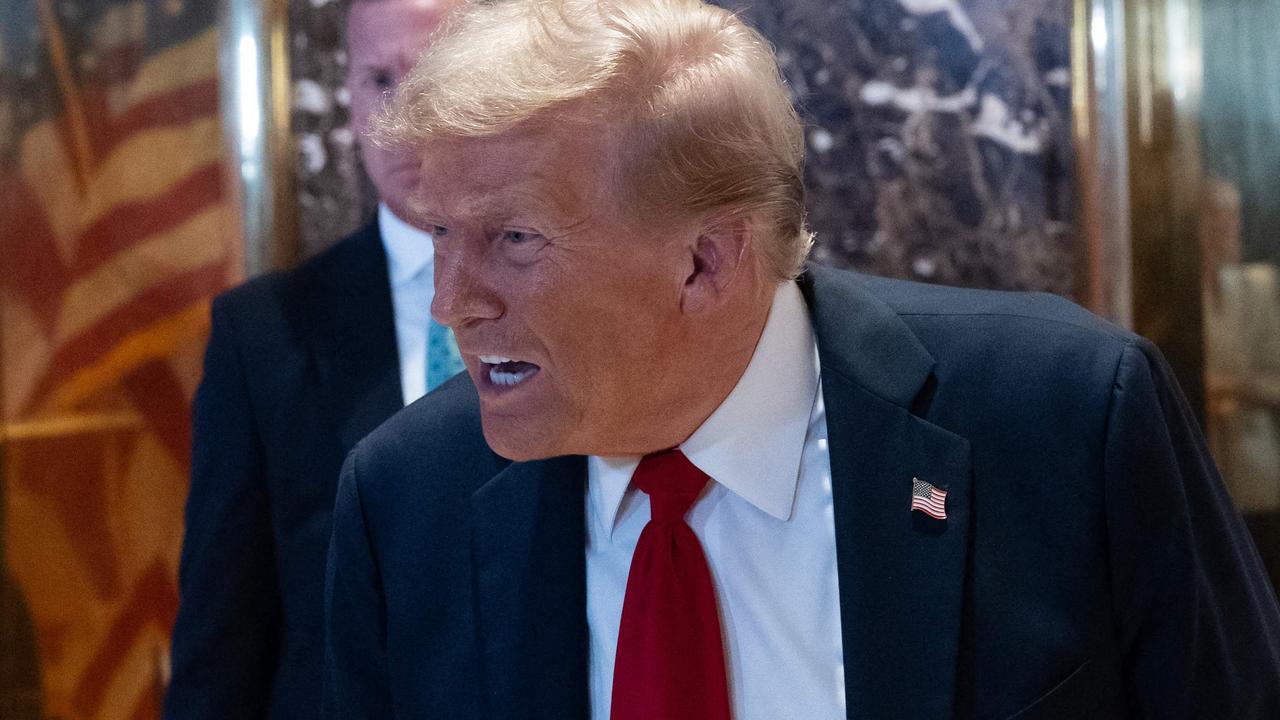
x=115, y=233
x=930, y=500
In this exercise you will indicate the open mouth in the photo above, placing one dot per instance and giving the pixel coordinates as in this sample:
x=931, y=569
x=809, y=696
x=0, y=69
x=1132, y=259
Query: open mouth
x=505, y=372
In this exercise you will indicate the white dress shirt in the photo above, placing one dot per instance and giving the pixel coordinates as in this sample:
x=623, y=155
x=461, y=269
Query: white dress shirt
x=411, y=266
x=766, y=524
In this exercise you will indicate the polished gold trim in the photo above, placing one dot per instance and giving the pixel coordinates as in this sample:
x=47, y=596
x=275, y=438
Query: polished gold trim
x=1099, y=125
x=4, y=467
x=1165, y=182
x=1081, y=70
x=255, y=104
x=287, y=246
x=1135, y=103
x=1083, y=108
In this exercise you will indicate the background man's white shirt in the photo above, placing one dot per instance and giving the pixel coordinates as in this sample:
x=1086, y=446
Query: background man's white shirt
x=411, y=267
x=766, y=523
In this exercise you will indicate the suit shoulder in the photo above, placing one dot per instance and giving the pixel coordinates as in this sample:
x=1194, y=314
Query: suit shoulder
x=985, y=340
x=433, y=450
x=1014, y=348
x=275, y=305
x=283, y=289
x=1023, y=322
x=919, y=299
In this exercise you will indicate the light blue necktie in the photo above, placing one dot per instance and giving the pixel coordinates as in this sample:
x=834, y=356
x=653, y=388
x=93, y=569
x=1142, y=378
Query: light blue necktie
x=443, y=360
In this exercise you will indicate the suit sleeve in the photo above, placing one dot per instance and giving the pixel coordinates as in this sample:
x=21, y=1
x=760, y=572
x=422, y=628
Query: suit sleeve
x=1197, y=616
x=226, y=634
x=355, y=662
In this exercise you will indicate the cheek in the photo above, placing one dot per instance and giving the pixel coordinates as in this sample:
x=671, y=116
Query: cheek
x=602, y=332
x=361, y=104
x=392, y=172
x=604, y=350
x=370, y=154
x=570, y=328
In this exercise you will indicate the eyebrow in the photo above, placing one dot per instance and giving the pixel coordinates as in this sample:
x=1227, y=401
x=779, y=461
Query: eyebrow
x=554, y=214
x=418, y=206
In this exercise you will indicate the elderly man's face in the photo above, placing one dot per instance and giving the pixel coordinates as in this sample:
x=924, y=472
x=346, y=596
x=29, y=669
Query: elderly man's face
x=568, y=315
x=384, y=40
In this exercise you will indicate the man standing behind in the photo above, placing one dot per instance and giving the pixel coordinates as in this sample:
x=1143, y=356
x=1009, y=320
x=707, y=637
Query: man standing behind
x=299, y=366
x=690, y=478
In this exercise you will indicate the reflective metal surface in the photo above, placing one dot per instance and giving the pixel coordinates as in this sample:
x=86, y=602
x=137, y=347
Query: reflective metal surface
x=254, y=75
x=1165, y=182
x=1100, y=128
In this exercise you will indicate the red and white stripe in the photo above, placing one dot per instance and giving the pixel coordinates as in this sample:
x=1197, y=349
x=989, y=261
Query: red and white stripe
x=928, y=499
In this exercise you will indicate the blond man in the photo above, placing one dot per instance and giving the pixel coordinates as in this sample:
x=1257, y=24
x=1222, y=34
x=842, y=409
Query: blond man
x=688, y=478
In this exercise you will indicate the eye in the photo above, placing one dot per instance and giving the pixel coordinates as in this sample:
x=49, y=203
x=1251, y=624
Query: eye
x=438, y=230
x=518, y=237
x=521, y=247
x=381, y=79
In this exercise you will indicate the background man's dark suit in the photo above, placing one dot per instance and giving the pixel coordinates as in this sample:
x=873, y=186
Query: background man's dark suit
x=1091, y=565
x=300, y=365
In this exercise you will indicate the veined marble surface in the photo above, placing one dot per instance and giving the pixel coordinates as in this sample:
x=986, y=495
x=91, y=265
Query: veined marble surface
x=938, y=131
x=939, y=135
x=334, y=196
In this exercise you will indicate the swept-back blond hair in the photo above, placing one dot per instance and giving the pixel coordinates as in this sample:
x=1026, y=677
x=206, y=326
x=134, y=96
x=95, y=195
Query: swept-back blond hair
x=693, y=94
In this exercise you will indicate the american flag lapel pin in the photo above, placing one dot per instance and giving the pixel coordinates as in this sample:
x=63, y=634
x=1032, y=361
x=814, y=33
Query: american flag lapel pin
x=928, y=499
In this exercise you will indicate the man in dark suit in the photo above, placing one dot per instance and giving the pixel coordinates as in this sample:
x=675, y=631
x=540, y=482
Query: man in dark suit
x=687, y=478
x=300, y=365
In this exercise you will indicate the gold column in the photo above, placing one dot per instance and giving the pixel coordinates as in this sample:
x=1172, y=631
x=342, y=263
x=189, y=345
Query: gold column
x=255, y=105
x=1100, y=130
x=1165, y=183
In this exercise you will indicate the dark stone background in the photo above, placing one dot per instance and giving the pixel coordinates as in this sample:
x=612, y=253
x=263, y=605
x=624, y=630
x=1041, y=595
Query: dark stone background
x=939, y=133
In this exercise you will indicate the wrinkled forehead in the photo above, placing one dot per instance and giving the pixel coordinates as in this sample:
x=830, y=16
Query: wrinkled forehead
x=387, y=28
x=558, y=171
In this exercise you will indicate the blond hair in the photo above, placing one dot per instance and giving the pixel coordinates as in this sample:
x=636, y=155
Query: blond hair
x=693, y=92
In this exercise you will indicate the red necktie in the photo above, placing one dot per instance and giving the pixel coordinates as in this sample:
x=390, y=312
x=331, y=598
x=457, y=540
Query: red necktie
x=670, y=661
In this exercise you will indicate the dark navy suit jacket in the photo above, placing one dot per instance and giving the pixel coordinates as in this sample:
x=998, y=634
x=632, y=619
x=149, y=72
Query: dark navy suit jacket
x=300, y=365
x=1091, y=564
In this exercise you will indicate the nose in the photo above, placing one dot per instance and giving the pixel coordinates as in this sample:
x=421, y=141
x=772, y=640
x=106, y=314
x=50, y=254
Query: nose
x=464, y=295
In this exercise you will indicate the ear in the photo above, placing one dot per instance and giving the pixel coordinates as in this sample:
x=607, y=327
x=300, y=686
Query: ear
x=718, y=257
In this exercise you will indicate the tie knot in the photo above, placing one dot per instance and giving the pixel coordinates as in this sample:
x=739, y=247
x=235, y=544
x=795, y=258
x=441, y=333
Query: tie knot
x=671, y=482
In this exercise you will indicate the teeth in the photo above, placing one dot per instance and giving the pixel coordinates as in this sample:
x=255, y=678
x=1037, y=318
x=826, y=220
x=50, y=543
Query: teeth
x=508, y=379
x=502, y=378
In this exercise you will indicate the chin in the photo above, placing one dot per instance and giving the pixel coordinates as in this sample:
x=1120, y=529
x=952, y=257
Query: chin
x=511, y=438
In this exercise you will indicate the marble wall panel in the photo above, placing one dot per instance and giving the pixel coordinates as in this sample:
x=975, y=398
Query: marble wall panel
x=938, y=131
x=334, y=196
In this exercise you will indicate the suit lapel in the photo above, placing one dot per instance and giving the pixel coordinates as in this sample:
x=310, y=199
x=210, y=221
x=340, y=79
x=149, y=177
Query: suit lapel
x=901, y=573
x=353, y=328
x=530, y=572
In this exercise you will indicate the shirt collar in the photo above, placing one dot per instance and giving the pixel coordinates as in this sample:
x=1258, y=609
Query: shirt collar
x=409, y=250
x=753, y=443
